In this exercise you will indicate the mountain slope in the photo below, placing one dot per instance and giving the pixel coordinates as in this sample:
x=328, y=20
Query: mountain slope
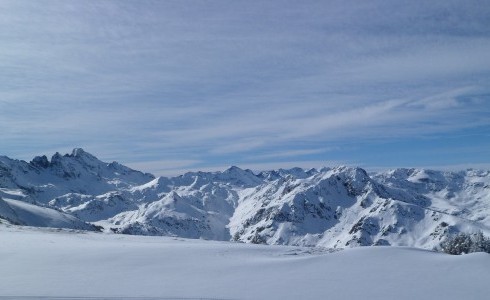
x=23, y=213
x=78, y=172
x=342, y=207
x=331, y=207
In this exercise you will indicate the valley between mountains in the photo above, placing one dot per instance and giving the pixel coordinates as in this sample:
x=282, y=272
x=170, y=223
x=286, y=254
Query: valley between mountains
x=334, y=207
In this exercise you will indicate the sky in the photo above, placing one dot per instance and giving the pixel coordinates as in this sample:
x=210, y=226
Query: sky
x=173, y=86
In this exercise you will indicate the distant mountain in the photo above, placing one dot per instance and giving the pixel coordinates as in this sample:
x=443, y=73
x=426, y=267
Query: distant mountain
x=78, y=172
x=331, y=207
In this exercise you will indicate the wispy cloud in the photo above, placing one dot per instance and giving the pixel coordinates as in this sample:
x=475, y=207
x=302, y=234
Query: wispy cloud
x=168, y=167
x=292, y=153
x=218, y=82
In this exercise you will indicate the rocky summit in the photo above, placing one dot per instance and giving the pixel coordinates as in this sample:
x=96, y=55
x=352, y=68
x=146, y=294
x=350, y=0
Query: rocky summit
x=333, y=207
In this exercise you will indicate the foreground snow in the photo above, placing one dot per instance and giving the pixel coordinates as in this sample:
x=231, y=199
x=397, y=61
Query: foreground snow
x=60, y=263
x=333, y=207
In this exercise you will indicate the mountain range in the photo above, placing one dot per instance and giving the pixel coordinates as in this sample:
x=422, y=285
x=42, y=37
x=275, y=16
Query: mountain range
x=332, y=207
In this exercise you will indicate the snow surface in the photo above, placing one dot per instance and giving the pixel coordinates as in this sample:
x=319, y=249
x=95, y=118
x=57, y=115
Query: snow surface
x=62, y=263
x=44, y=217
x=23, y=213
x=332, y=207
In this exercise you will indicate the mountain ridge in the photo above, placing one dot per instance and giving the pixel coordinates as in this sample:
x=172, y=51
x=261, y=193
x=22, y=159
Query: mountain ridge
x=331, y=207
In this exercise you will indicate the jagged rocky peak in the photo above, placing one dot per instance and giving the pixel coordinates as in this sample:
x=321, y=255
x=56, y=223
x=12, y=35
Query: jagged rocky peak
x=298, y=173
x=237, y=176
x=338, y=206
x=353, y=172
x=40, y=161
x=56, y=158
x=80, y=153
x=85, y=157
x=413, y=175
x=85, y=167
x=349, y=174
x=235, y=170
x=77, y=153
x=59, y=161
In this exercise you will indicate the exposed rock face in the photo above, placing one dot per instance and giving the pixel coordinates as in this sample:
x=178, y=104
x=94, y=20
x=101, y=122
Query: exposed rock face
x=331, y=207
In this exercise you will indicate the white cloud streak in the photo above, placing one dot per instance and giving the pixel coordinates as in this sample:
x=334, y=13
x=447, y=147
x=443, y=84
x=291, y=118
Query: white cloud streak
x=219, y=81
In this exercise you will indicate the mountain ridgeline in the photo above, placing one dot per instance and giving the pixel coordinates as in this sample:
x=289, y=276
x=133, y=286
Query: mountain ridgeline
x=332, y=207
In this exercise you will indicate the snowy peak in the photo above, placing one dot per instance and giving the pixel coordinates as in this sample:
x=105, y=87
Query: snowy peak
x=70, y=165
x=40, y=162
x=300, y=210
x=79, y=152
x=78, y=172
x=240, y=177
x=58, y=159
x=331, y=207
x=233, y=176
x=296, y=173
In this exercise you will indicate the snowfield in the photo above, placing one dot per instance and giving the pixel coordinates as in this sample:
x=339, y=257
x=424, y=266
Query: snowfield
x=339, y=207
x=66, y=263
x=166, y=252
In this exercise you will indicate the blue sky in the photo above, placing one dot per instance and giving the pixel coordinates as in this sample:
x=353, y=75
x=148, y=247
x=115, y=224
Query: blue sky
x=172, y=86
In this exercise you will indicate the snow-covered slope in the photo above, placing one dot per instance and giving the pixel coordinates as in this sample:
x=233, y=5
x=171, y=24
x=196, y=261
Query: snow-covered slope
x=331, y=207
x=465, y=194
x=23, y=213
x=343, y=207
x=78, y=172
x=45, y=264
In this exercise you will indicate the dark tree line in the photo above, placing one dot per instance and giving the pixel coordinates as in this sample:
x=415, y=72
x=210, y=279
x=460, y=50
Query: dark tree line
x=464, y=243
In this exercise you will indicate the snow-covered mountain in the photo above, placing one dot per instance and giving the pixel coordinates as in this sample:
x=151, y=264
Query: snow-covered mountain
x=78, y=172
x=331, y=207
